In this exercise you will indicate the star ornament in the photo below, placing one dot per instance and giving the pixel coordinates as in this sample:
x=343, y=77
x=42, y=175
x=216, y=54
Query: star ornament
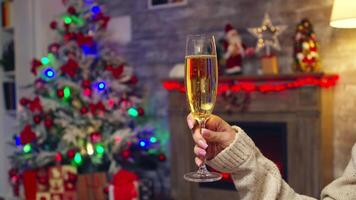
x=267, y=35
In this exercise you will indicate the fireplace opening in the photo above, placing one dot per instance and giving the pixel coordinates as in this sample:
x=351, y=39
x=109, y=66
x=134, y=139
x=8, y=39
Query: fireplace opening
x=271, y=139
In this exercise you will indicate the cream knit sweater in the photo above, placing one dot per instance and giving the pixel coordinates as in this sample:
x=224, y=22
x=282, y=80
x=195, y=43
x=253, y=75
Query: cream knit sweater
x=257, y=178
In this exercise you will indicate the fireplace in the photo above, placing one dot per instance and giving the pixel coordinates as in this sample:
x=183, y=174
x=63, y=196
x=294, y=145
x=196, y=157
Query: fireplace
x=293, y=128
x=270, y=138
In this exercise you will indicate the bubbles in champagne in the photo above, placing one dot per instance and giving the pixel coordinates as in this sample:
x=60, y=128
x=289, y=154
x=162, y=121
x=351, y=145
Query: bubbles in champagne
x=201, y=79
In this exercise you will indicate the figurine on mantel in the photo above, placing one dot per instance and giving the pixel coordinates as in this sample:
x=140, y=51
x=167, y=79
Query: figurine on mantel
x=234, y=51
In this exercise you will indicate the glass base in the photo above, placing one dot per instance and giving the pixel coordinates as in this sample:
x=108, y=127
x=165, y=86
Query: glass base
x=202, y=177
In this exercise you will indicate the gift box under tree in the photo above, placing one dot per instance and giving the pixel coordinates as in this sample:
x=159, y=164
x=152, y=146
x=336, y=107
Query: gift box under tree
x=58, y=182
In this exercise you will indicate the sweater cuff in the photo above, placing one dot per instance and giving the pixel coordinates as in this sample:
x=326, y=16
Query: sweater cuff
x=235, y=154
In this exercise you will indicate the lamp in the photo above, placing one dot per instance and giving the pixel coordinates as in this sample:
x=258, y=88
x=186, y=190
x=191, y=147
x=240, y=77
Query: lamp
x=343, y=14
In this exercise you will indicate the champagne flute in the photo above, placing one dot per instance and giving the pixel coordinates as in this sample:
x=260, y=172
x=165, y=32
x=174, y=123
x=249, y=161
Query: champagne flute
x=201, y=81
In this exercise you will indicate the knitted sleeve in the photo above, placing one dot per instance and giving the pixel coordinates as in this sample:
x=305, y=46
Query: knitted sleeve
x=345, y=186
x=255, y=177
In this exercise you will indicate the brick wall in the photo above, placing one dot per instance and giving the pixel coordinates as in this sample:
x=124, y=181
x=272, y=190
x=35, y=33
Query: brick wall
x=158, y=42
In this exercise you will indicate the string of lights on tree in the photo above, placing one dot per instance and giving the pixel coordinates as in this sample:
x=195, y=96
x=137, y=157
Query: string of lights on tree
x=86, y=105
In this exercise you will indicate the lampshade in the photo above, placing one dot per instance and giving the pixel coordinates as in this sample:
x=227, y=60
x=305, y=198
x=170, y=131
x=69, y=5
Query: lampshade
x=343, y=14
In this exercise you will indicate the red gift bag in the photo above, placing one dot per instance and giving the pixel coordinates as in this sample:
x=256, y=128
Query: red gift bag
x=124, y=186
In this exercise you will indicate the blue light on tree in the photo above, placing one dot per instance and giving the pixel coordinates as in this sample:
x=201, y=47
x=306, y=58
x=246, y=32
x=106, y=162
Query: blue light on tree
x=143, y=144
x=101, y=86
x=49, y=73
x=95, y=9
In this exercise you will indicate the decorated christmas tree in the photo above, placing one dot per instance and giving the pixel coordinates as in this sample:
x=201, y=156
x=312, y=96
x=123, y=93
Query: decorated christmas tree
x=85, y=110
x=306, y=54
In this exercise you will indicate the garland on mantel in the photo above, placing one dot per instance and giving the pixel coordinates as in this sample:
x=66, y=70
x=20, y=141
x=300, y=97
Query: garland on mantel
x=326, y=81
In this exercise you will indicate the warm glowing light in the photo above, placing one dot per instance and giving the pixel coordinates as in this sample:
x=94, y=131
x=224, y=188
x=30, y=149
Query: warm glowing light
x=90, y=149
x=343, y=14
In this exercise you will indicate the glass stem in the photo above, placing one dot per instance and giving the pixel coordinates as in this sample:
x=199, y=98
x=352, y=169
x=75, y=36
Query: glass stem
x=202, y=168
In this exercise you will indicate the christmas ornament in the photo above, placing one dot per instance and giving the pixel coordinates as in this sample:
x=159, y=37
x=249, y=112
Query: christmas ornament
x=86, y=83
x=35, y=65
x=71, y=10
x=95, y=137
x=267, y=35
x=115, y=71
x=24, y=101
x=305, y=53
x=58, y=157
x=71, y=68
x=53, y=48
x=60, y=93
x=27, y=135
x=71, y=153
x=84, y=110
x=48, y=123
x=161, y=157
x=141, y=111
x=37, y=119
x=53, y=25
x=35, y=105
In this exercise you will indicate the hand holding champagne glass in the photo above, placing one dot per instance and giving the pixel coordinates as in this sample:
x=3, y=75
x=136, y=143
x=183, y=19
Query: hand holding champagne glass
x=201, y=81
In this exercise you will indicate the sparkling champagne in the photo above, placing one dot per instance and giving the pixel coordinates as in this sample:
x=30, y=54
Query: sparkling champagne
x=201, y=79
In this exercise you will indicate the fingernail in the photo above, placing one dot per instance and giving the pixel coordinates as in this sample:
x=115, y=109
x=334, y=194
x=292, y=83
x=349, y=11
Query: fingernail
x=190, y=124
x=205, y=132
x=202, y=144
x=201, y=152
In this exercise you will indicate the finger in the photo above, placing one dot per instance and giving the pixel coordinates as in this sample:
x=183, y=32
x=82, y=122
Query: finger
x=198, y=139
x=212, y=136
x=199, y=151
x=198, y=161
x=191, y=121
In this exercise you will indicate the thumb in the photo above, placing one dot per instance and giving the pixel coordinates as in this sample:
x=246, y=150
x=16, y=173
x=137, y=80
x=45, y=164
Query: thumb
x=212, y=136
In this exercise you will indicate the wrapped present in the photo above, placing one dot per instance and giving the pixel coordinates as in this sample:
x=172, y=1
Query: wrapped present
x=43, y=196
x=124, y=186
x=91, y=186
x=269, y=64
x=52, y=183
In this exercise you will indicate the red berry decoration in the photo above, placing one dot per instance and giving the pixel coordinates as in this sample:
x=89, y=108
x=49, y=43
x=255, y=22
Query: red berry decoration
x=58, y=157
x=53, y=25
x=37, y=119
x=84, y=110
x=86, y=83
x=125, y=154
x=141, y=111
x=71, y=10
x=24, y=101
x=71, y=153
x=48, y=123
x=161, y=157
x=60, y=93
x=53, y=48
x=95, y=137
